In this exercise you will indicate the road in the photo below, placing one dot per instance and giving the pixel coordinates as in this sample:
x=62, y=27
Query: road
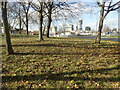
x=103, y=38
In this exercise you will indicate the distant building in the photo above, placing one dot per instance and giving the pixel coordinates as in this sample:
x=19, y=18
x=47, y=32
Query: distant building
x=87, y=28
x=76, y=27
x=114, y=30
x=36, y=32
x=66, y=34
x=79, y=25
x=118, y=30
x=2, y=29
x=68, y=27
x=17, y=31
x=53, y=30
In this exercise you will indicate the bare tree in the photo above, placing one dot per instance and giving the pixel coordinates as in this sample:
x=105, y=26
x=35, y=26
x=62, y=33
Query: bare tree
x=106, y=29
x=105, y=8
x=26, y=8
x=40, y=9
x=50, y=6
x=53, y=7
x=49, y=9
x=16, y=10
x=6, y=28
x=11, y=17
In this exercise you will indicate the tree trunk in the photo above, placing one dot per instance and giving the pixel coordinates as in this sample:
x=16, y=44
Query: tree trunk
x=49, y=25
x=20, y=22
x=49, y=18
x=40, y=28
x=98, y=38
x=44, y=31
x=20, y=25
x=27, y=24
x=41, y=22
x=6, y=29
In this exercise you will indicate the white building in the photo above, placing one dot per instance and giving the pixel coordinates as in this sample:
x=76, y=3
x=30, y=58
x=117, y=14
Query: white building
x=2, y=29
x=53, y=30
x=68, y=27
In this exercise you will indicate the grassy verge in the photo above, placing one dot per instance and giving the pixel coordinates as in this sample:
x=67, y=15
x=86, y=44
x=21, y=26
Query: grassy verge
x=60, y=63
x=112, y=36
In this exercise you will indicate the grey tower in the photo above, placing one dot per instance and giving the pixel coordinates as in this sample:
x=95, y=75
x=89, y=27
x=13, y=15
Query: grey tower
x=79, y=24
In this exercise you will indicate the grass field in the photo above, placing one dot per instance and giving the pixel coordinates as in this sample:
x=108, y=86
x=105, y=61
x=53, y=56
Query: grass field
x=112, y=36
x=60, y=63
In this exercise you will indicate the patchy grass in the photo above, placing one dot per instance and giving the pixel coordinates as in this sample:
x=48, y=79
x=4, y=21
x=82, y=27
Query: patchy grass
x=118, y=36
x=60, y=63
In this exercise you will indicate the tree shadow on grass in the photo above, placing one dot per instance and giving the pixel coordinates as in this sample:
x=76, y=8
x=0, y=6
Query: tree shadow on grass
x=61, y=76
x=48, y=45
x=64, y=45
x=52, y=53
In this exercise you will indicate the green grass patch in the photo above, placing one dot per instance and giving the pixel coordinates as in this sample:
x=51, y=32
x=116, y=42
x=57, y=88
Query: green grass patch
x=118, y=36
x=60, y=63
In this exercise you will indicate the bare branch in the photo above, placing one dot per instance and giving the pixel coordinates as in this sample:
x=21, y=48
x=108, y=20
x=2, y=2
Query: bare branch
x=113, y=9
x=117, y=3
x=98, y=3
